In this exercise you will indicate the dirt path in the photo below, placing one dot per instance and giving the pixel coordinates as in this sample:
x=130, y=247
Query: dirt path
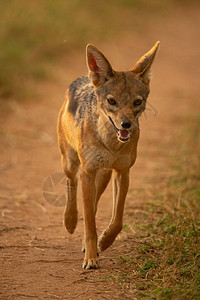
x=39, y=259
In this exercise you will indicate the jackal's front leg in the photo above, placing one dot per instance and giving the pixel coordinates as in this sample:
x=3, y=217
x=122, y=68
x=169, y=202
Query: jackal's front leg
x=121, y=184
x=88, y=190
x=70, y=167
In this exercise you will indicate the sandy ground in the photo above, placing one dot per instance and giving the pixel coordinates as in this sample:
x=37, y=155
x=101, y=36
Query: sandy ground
x=39, y=259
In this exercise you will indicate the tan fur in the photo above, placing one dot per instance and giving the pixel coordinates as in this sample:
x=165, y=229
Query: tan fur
x=98, y=129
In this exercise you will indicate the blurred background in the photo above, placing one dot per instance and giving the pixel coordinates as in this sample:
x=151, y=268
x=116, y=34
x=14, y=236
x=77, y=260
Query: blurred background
x=37, y=35
x=42, y=49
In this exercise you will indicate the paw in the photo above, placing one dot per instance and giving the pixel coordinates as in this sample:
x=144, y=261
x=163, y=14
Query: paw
x=105, y=240
x=90, y=263
x=70, y=220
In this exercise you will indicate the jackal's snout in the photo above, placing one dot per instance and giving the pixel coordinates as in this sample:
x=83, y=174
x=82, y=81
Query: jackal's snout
x=124, y=130
x=126, y=124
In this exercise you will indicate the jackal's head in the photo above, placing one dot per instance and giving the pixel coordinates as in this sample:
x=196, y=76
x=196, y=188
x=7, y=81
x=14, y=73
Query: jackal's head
x=121, y=95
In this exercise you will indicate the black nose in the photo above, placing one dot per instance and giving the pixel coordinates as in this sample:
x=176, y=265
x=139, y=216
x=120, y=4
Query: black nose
x=126, y=124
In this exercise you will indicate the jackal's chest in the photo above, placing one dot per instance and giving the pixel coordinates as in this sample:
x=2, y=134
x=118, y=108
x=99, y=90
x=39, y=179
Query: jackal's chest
x=93, y=158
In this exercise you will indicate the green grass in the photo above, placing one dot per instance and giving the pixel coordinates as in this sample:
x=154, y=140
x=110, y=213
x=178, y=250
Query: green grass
x=164, y=261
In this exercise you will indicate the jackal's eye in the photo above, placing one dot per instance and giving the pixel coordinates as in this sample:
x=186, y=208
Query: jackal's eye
x=137, y=102
x=111, y=101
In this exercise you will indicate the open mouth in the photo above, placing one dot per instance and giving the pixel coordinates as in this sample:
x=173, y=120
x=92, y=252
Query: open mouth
x=122, y=134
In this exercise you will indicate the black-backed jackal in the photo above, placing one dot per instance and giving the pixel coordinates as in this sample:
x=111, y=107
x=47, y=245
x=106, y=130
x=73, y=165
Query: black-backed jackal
x=98, y=129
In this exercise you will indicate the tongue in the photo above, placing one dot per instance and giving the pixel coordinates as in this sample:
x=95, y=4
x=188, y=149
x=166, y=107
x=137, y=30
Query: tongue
x=124, y=133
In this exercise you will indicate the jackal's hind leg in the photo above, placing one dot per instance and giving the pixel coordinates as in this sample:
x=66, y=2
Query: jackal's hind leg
x=121, y=183
x=101, y=182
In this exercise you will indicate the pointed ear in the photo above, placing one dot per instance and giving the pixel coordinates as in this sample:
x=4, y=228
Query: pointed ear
x=99, y=68
x=143, y=65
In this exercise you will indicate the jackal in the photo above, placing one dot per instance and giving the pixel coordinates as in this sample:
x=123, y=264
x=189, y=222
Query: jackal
x=98, y=129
